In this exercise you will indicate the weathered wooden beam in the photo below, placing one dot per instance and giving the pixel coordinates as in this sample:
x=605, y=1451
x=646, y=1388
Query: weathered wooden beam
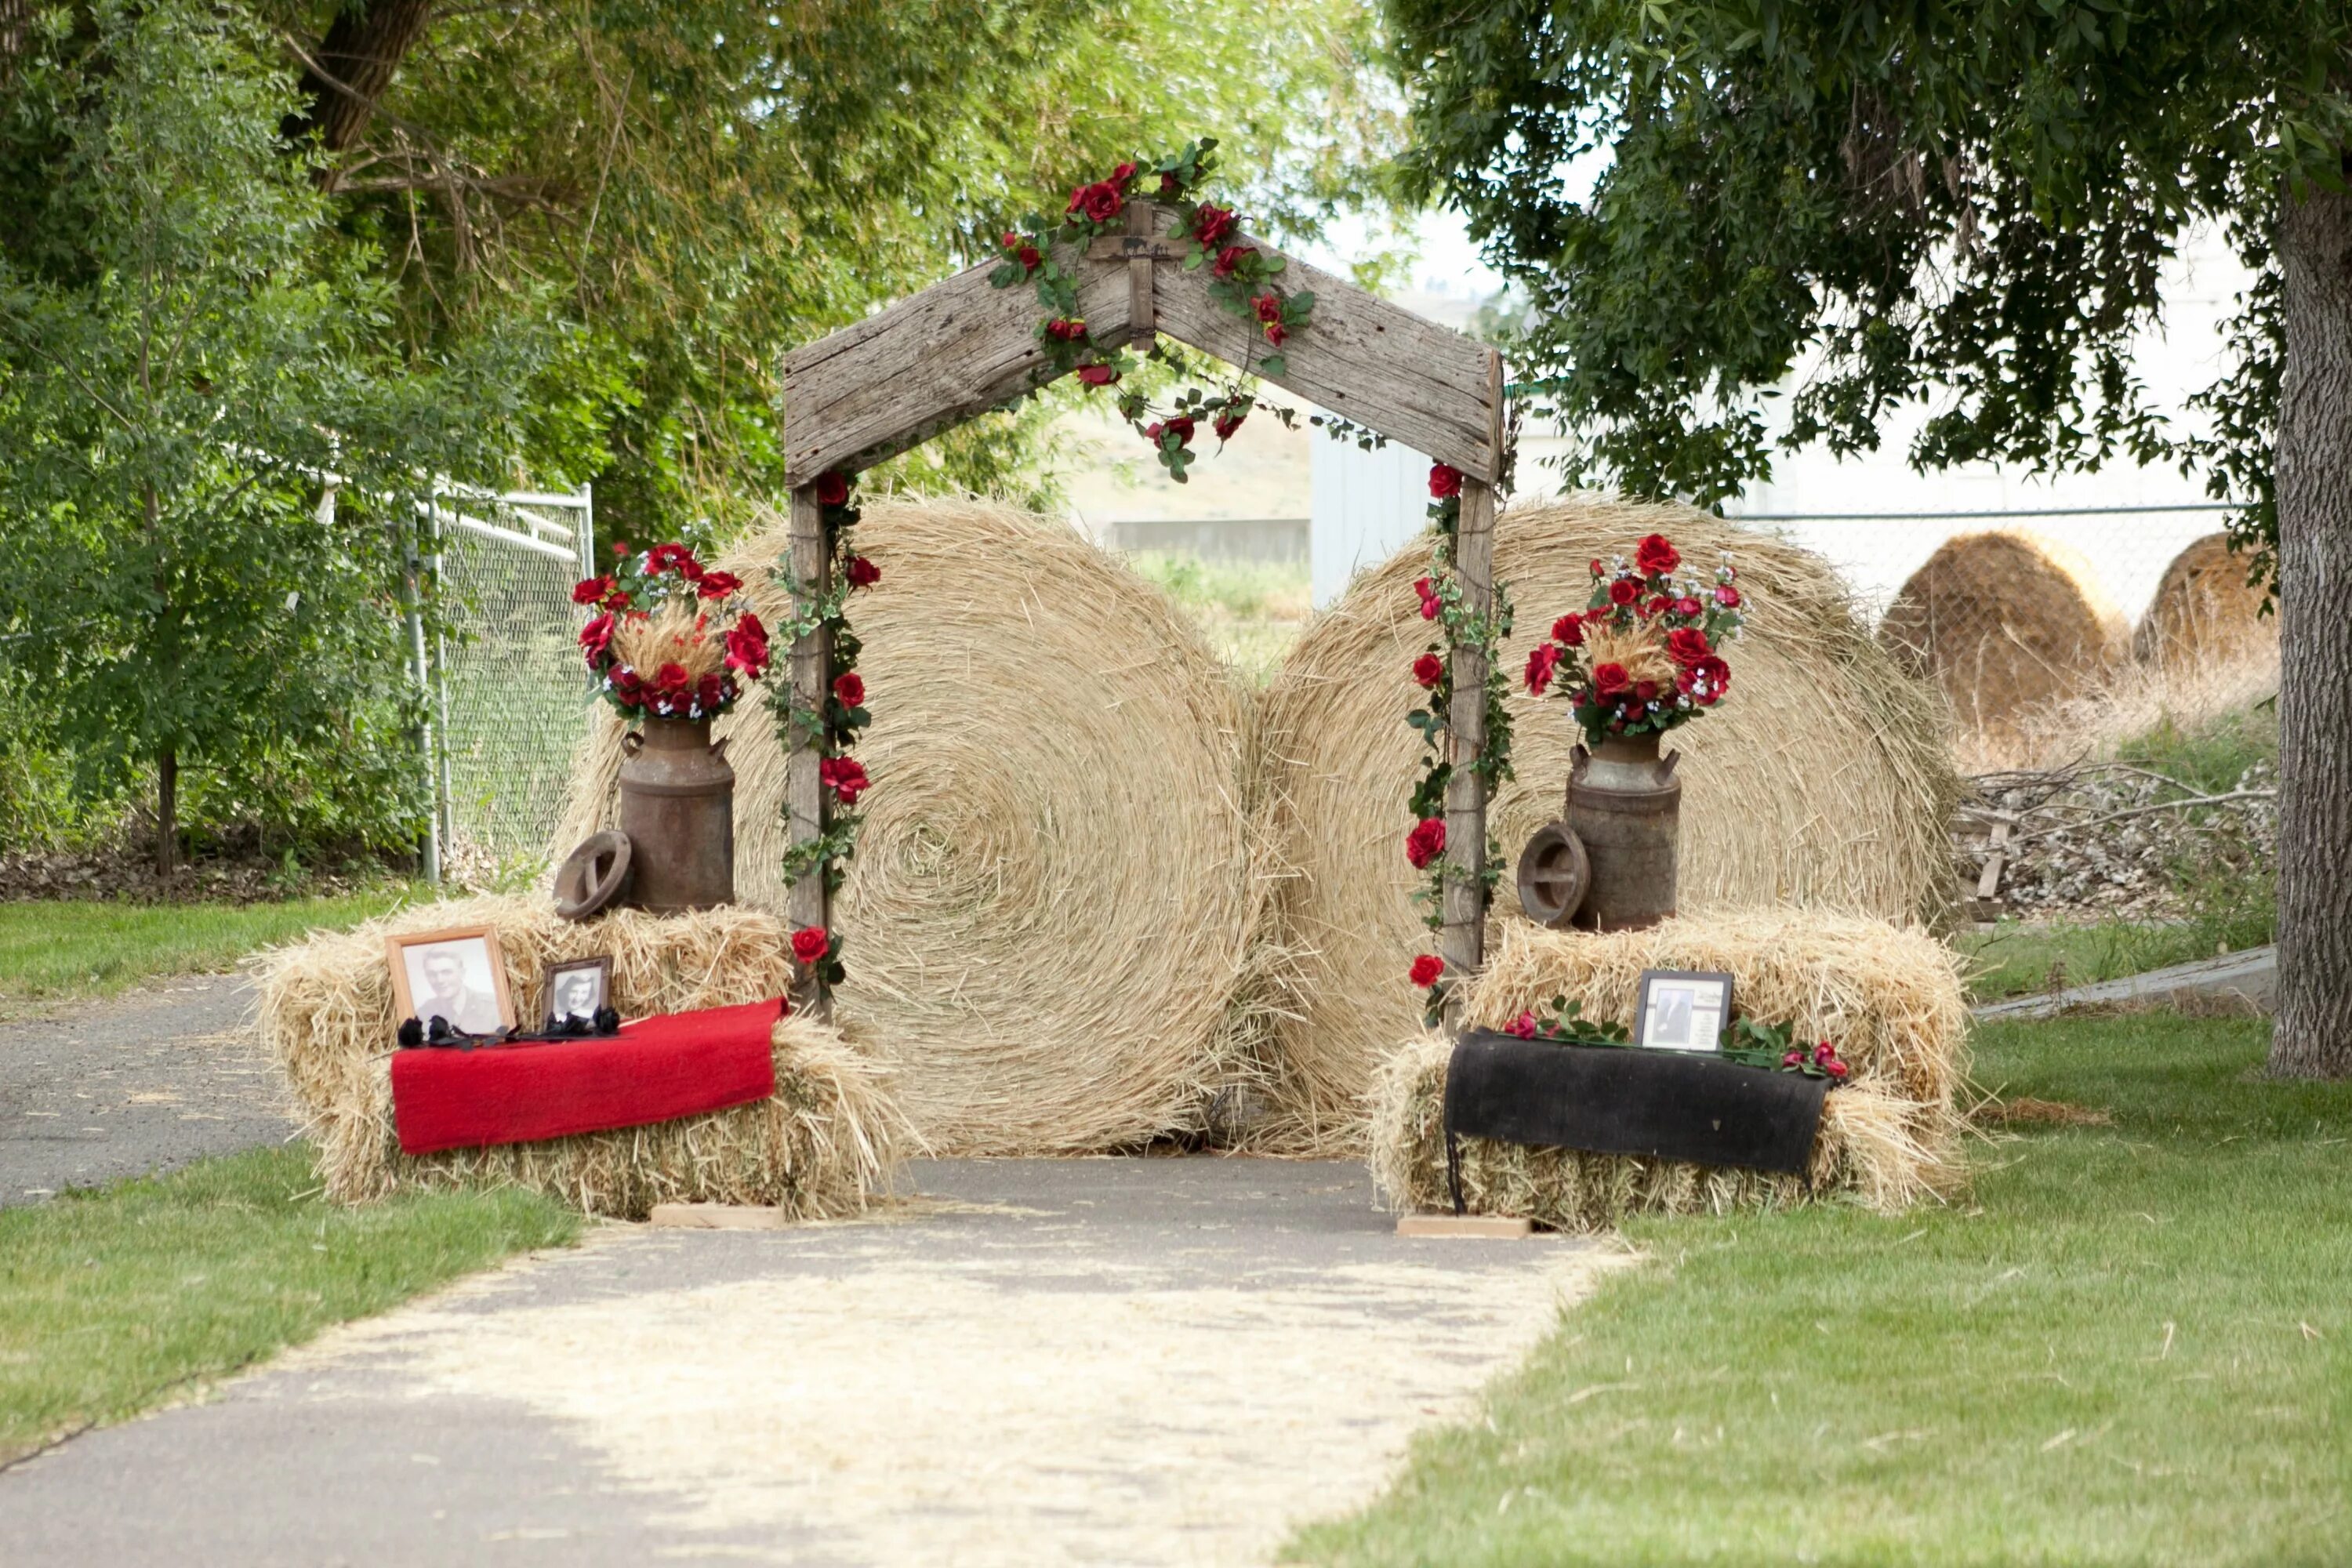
x=1358, y=356
x=1462, y=942
x=927, y=364
x=810, y=671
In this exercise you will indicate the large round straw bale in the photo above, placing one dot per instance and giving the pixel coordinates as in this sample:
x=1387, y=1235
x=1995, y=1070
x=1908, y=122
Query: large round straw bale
x=2007, y=623
x=1825, y=779
x=1049, y=903
x=2204, y=611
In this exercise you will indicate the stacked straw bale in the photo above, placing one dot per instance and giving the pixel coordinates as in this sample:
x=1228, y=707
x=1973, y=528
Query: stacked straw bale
x=1891, y=1000
x=822, y=1146
x=2011, y=624
x=1051, y=901
x=2205, y=611
x=1825, y=780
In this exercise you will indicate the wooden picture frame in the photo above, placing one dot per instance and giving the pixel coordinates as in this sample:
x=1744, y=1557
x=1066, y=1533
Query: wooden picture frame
x=558, y=970
x=476, y=989
x=1683, y=1009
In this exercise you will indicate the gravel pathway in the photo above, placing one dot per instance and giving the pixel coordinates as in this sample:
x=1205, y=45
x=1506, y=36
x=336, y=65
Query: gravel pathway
x=143, y=1082
x=1032, y=1363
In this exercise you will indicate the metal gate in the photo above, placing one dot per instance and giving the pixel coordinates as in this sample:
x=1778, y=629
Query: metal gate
x=508, y=697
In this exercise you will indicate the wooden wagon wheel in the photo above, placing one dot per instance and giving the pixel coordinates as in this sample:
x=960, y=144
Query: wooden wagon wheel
x=593, y=875
x=1554, y=875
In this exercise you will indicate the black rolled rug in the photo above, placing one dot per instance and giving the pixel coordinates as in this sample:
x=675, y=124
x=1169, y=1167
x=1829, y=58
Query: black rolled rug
x=1617, y=1099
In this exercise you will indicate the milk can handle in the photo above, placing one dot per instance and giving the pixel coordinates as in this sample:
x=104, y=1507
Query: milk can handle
x=632, y=743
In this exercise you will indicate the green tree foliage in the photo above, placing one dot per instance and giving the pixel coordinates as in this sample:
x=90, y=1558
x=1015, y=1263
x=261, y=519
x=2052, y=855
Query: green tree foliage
x=187, y=347
x=699, y=187
x=1971, y=197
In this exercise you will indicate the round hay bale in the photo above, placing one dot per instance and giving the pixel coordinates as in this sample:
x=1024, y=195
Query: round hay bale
x=2007, y=623
x=1049, y=904
x=2204, y=611
x=1824, y=780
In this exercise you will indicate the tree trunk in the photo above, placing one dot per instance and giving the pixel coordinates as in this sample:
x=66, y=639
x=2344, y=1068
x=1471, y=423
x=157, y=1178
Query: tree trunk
x=351, y=67
x=2313, y=1037
x=167, y=816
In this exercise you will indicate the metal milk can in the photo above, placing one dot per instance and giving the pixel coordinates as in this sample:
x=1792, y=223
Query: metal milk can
x=677, y=806
x=1625, y=804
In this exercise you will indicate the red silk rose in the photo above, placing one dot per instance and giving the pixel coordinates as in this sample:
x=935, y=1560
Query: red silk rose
x=1655, y=556
x=670, y=678
x=672, y=557
x=1120, y=175
x=1430, y=603
x=849, y=688
x=1274, y=332
x=1609, y=679
x=717, y=584
x=1429, y=670
x=1066, y=329
x=1542, y=661
x=1181, y=426
x=1268, y=307
x=710, y=691
x=1686, y=605
x=1097, y=375
x=1210, y=225
x=1100, y=202
x=1568, y=630
x=1425, y=843
x=596, y=636
x=590, y=591
x=1686, y=644
x=747, y=647
x=1427, y=970
x=1523, y=1026
x=845, y=776
x=862, y=573
x=1226, y=424
x=1624, y=590
x=1727, y=596
x=1229, y=259
x=1658, y=606
x=1445, y=481
x=1712, y=674
x=810, y=942
x=833, y=487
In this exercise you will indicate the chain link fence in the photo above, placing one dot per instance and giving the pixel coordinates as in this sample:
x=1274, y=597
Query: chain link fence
x=508, y=697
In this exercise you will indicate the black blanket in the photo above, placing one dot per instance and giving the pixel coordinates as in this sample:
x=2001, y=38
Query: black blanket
x=1616, y=1100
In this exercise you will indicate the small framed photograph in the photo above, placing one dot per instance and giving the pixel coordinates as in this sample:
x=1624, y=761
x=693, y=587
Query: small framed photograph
x=455, y=975
x=1683, y=1010
x=577, y=986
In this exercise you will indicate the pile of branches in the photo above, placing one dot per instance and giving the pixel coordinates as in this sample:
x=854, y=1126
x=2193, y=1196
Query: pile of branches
x=2099, y=840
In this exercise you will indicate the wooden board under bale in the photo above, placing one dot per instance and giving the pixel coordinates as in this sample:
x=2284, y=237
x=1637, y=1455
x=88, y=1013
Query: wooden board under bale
x=823, y=1145
x=1891, y=999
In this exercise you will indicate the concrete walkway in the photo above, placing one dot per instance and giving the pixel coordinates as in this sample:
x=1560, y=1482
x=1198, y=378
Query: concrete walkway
x=144, y=1082
x=1039, y=1362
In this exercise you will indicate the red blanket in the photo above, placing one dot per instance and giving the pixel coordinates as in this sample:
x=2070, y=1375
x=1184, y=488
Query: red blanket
x=682, y=1063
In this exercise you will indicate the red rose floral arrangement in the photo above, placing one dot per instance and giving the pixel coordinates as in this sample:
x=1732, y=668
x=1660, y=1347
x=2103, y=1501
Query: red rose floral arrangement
x=1645, y=654
x=669, y=637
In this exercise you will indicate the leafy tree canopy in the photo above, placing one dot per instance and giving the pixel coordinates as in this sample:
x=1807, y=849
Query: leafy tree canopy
x=1971, y=195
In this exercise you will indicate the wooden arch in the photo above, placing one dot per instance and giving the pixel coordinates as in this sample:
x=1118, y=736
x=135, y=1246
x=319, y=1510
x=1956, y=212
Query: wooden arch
x=963, y=347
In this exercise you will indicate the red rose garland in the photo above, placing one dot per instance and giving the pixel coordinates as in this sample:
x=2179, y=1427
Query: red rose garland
x=1440, y=600
x=1242, y=278
x=834, y=727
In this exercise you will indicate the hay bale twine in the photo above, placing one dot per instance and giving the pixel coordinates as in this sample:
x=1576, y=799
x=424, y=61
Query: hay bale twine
x=2204, y=611
x=1824, y=780
x=1047, y=909
x=2007, y=623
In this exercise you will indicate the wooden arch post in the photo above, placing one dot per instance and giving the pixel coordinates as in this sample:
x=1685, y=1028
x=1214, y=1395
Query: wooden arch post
x=1462, y=940
x=809, y=903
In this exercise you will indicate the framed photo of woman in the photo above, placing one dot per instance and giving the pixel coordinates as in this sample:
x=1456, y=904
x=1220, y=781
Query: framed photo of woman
x=576, y=987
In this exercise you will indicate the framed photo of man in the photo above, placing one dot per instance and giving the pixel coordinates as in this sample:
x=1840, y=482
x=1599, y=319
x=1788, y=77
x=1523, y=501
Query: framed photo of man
x=455, y=975
x=1683, y=1010
x=576, y=987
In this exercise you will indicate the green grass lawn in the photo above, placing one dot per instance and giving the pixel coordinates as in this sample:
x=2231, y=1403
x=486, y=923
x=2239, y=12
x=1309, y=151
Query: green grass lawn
x=114, y=1299
x=1250, y=610
x=2129, y=1344
x=2018, y=959
x=64, y=948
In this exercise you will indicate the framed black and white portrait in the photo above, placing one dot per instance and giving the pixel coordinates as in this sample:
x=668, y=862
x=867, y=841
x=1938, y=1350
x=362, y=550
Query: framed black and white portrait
x=1683, y=1010
x=576, y=987
x=455, y=975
